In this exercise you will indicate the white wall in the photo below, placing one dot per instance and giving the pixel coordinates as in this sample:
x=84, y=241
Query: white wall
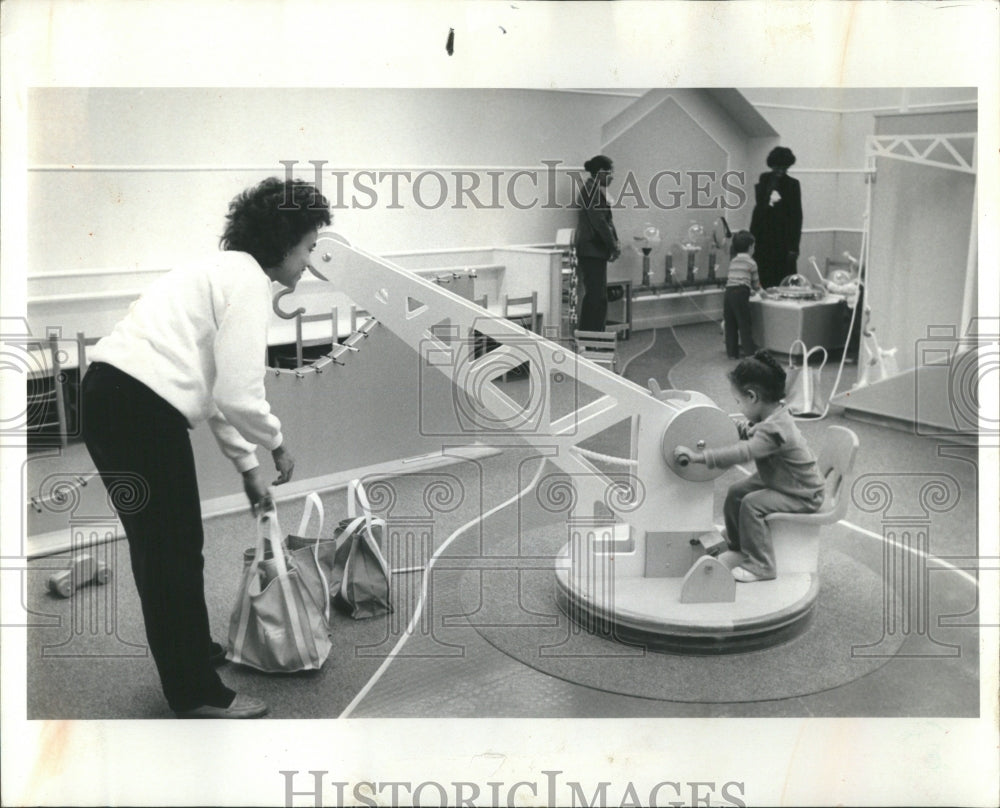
x=921, y=222
x=146, y=205
x=676, y=133
x=826, y=128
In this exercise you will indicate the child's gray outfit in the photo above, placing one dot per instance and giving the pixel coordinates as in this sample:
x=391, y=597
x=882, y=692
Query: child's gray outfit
x=787, y=481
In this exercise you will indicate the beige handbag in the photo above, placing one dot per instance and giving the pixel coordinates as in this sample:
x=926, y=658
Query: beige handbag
x=276, y=625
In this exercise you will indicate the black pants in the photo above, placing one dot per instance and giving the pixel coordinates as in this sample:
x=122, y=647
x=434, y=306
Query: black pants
x=774, y=264
x=141, y=447
x=593, y=274
x=736, y=316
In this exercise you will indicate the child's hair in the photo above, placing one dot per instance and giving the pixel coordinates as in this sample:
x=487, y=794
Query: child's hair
x=762, y=374
x=742, y=242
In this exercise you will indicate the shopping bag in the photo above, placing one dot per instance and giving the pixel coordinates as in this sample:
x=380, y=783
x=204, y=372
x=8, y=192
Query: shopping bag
x=276, y=624
x=364, y=586
x=802, y=395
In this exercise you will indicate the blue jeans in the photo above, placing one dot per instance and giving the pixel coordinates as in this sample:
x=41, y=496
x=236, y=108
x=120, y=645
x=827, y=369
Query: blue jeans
x=747, y=504
x=736, y=315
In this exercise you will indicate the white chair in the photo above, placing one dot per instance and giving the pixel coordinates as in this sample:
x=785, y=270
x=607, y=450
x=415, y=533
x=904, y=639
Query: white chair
x=526, y=319
x=795, y=536
x=600, y=347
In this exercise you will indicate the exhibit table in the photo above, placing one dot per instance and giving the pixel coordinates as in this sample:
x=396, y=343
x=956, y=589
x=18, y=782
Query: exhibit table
x=777, y=323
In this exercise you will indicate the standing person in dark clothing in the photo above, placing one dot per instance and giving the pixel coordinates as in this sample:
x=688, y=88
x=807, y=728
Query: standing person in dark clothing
x=776, y=224
x=596, y=243
x=192, y=349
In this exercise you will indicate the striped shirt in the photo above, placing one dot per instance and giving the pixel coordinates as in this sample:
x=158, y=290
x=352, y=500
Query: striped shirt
x=743, y=272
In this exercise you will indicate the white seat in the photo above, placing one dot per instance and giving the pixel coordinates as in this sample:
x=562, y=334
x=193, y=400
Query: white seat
x=795, y=536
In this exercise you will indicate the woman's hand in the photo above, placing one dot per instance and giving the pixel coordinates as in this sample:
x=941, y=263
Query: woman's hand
x=284, y=463
x=616, y=253
x=257, y=491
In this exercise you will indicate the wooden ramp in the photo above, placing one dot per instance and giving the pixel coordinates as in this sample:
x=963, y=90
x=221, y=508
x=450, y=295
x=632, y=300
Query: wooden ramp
x=933, y=399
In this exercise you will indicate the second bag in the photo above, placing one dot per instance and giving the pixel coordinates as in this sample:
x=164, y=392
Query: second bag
x=361, y=580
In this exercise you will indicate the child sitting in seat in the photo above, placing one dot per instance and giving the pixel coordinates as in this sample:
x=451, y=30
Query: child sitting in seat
x=787, y=478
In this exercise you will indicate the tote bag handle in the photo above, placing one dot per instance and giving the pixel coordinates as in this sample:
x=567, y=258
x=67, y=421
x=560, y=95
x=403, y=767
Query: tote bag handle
x=806, y=353
x=313, y=502
x=281, y=568
x=356, y=496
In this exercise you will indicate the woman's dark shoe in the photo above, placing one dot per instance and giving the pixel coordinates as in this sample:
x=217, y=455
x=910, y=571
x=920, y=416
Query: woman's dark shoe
x=216, y=654
x=243, y=706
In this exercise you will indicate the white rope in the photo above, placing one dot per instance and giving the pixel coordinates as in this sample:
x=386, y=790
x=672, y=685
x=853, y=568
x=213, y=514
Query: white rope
x=617, y=461
x=861, y=301
x=423, y=591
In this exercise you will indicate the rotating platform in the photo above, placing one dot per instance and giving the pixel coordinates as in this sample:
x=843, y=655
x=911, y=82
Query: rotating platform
x=609, y=599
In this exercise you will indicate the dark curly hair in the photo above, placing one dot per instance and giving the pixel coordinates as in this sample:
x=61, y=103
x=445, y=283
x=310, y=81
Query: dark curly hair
x=780, y=157
x=762, y=374
x=270, y=218
x=599, y=163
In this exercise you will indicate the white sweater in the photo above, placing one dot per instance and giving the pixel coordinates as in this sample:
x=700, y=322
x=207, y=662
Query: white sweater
x=198, y=338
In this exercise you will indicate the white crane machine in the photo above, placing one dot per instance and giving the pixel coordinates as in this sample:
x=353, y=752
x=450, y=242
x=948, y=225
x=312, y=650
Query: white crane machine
x=636, y=563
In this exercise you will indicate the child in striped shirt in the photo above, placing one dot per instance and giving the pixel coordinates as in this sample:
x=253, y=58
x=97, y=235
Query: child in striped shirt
x=741, y=283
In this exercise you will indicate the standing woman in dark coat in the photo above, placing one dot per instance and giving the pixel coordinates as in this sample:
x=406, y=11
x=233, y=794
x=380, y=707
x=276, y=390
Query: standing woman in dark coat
x=776, y=224
x=596, y=243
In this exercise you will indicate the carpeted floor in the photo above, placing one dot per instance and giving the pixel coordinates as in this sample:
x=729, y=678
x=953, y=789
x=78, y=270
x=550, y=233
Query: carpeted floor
x=78, y=645
x=819, y=659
